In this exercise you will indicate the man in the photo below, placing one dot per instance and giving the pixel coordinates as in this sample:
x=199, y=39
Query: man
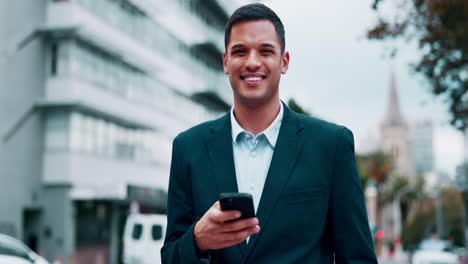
x=300, y=171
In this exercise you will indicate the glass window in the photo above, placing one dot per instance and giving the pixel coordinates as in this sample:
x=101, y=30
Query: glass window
x=137, y=231
x=56, y=130
x=105, y=138
x=54, y=59
x=64, y=62
x=115, y=73
x=96, y=77
x=75, y=62
x=156, y=232
x=76, y=135
x=112, y=139
x=88, y=134
x=85, y=69
x=100, y=137
x=94, y=135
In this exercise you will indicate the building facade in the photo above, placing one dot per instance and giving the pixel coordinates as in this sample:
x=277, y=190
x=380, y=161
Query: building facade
x=422, y=134
x=92, y=94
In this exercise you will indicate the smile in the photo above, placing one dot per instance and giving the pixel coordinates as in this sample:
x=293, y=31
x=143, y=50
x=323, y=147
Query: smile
x=253, y=79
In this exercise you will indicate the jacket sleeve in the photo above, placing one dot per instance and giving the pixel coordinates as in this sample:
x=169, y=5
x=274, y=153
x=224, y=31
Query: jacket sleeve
x=351, y=237
x=179, y=244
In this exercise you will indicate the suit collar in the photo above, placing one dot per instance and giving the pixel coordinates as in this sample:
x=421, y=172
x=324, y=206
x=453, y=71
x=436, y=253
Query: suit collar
x=271, y=132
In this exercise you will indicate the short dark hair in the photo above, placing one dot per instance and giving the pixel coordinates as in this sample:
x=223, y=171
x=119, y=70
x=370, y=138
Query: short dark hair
x=255, y=11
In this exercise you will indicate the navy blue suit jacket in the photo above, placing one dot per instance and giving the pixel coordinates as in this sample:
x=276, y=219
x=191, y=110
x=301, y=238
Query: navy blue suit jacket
x=312, y=208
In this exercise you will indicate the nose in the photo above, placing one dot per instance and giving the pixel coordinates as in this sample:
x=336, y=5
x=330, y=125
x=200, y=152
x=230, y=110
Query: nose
x=253, y=61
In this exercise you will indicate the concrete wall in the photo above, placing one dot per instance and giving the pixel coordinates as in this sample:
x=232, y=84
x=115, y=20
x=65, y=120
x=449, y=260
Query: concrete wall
x=20, y=155
x=58, y=238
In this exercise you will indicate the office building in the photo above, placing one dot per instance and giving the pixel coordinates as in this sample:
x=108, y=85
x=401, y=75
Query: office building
x=92, y=94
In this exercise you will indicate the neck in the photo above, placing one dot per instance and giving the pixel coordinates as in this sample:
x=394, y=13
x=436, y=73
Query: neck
x=255, y=119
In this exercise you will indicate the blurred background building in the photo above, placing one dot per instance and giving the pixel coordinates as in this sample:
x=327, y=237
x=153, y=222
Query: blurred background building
x=422, y=135
x=396, y=142
x=92, y=94
x=396, y=134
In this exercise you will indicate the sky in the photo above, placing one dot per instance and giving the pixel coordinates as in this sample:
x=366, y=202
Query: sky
x=340, y=76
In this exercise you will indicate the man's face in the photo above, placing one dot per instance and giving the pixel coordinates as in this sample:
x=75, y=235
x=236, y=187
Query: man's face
x=254, y=62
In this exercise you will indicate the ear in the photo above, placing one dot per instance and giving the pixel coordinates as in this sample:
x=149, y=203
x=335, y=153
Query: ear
x=285, y=62
x=225, y=68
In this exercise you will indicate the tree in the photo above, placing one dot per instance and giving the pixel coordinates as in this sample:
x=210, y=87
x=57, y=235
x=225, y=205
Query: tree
x=296, y=107
x=378, y=166
x=441, y=29
x=422, y=223
x=362, y=170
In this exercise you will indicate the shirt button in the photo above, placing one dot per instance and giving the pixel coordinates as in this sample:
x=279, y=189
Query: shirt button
x=253, y=153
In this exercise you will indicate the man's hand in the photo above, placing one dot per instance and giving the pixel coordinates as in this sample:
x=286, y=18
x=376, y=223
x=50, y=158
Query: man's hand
x=215, y=229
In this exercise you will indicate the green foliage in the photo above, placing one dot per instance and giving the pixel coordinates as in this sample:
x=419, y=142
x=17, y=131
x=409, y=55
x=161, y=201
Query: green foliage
x=441, y=28
x=452, y=208
x=419, y=226
x=363, y=174
x=297, y=108
x=422, y=223
x=394, y=189
x=375, y=166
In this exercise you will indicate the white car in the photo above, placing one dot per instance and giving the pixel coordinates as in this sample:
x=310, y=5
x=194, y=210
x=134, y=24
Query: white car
x=434, y=257
x=434, y=251
x=12, y=251
x=144, y=238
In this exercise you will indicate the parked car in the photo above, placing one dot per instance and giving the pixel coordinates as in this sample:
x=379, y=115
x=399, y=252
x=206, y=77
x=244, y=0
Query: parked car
x=12, y=251
x=433, y=251
x=144, y=238
x=434, y=257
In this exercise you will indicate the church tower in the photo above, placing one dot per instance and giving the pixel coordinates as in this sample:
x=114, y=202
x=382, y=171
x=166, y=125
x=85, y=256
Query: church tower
x=395, y=141
x=395, y=134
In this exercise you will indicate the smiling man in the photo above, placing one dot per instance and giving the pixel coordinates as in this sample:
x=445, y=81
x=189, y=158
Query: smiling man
x=300, y=171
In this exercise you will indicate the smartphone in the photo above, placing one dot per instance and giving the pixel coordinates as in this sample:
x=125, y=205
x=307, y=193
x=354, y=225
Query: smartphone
x=238, y=201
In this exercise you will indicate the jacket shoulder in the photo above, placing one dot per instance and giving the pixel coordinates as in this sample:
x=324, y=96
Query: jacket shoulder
x=319, y=126
x=200, y=131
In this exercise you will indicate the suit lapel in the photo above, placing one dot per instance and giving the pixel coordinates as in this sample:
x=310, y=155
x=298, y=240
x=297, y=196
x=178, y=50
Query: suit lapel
x=219, y=146
x=286, y=151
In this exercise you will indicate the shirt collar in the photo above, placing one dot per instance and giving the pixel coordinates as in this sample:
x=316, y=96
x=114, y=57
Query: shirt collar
x=271, y=133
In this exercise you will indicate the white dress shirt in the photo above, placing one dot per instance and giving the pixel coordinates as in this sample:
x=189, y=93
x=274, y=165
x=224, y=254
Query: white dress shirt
x=252, y=155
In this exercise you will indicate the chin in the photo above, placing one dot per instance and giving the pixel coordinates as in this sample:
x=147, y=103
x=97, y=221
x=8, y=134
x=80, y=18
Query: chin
x=252, y=101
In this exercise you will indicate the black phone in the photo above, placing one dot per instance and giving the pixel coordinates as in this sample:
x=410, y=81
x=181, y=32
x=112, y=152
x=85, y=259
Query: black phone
x=238, y=201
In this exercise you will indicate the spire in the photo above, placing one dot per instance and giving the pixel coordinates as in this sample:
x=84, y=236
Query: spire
x=393, y=116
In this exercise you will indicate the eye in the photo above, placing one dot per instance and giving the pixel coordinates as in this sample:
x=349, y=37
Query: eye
x=238, y=52
x=267, y=51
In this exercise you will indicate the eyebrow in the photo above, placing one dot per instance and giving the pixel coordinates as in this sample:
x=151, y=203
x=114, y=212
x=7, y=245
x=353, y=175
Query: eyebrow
x=239, y=46
x=268, y=45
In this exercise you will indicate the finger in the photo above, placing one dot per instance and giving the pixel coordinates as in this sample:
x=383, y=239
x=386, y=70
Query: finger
x=233, y=238
x=240, y=235
x=238, y=224
x=217, y=215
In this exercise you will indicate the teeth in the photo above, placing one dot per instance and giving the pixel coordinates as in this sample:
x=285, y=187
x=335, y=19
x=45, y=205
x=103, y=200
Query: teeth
x=253, y=79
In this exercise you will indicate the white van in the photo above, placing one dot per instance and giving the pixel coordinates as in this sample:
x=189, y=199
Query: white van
x=144, y=238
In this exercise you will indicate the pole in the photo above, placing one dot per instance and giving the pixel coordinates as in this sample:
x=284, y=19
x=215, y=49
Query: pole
x=439, y=214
